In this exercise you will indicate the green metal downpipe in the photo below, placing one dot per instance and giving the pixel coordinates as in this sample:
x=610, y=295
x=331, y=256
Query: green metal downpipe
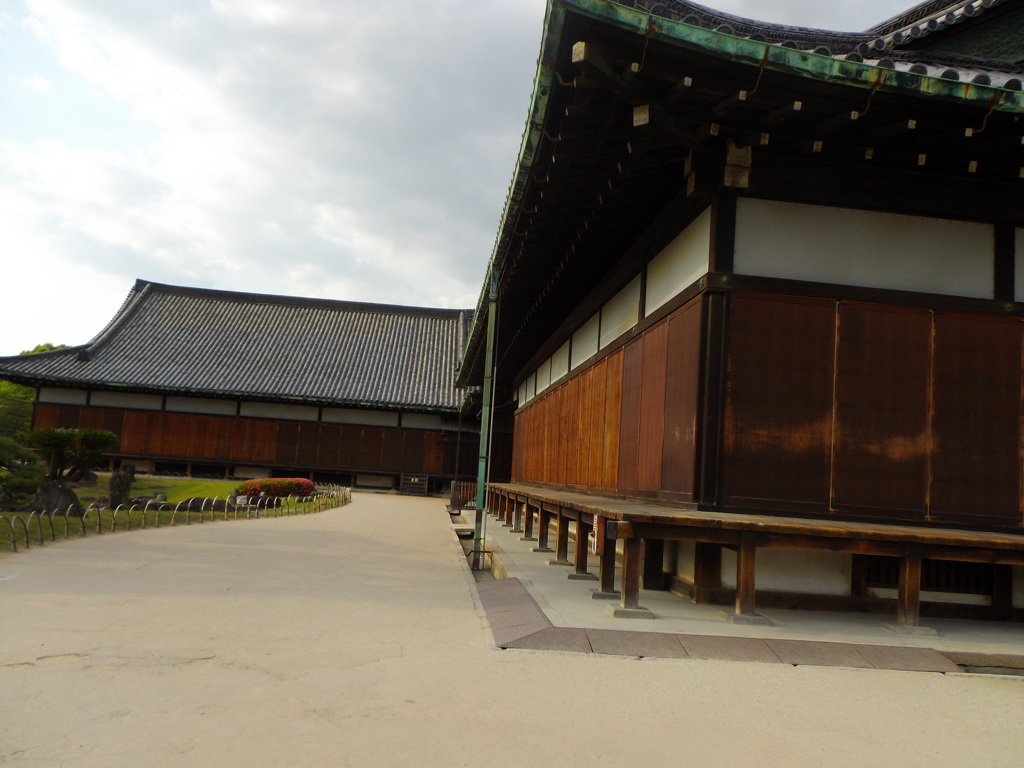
x=485, y=424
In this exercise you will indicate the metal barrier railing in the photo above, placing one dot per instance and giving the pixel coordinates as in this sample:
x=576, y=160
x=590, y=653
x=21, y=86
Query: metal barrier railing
x=25, y=528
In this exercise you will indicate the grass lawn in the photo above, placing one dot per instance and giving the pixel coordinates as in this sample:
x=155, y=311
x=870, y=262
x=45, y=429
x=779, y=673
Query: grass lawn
x=33, y=527
x=176, y=489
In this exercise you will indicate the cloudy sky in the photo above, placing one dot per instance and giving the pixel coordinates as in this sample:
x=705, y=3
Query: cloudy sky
x=328, y=148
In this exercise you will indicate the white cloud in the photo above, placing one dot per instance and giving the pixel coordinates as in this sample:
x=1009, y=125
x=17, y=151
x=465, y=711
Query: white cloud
x=328, y=148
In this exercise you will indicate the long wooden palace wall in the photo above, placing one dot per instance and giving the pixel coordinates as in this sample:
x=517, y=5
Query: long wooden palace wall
x=873, y=410
x=864, y=410
x=202, y=438
x=626, y=424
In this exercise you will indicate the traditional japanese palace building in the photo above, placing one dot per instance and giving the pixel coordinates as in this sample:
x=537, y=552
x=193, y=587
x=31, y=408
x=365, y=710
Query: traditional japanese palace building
x=759, y=297
x=249, y=385
x=754, y=318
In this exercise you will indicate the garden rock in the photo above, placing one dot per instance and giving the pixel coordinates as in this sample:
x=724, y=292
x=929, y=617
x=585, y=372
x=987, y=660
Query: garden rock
x=55, y=495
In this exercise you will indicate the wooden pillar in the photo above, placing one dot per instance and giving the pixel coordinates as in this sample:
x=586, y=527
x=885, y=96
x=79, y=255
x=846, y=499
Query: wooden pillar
x=561, y=539
x=707, y=569
x=528, y=523
x=543, y=529
x=506, y=521
x=632, y=566
x=517, y=517
x=746, y=557
x=580, y=572
x=908, y=600
x=606, y=551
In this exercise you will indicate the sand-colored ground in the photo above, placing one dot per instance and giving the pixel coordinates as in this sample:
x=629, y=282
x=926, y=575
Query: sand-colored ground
x=351, y=638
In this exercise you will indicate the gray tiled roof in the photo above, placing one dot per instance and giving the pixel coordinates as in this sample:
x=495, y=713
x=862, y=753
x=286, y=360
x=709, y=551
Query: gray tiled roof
x=203, y=342
x=894, y=44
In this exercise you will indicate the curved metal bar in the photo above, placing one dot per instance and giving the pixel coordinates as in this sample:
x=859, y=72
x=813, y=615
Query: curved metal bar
x=113, y=517
x=99, y=517
x=131, y=509
x=49, y=519
x=174, y=514
x=202, y=509
x=213, y=509
x=10, y=526
x=35, y=514
x=24, y=529
x=81, y=519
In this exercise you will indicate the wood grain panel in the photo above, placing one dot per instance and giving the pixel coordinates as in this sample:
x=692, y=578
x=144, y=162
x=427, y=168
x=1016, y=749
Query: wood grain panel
x=629, y=420
x=90, y=418
x=518, y=447
x=167, y=435
x=392, y=449
x=348, y=450
x=308, y=444
x=371, y=448
x=651, y=432
x=287, y=442
x=433, y=452
x=573, y=410
x=976, y=423
x=595, y=427
x=329, y=446
x=881, y=434
x=778, y=416
x=45, y=416
x=612, y=415
x=262, y=438
x=133, y=438
x=682, y=387
x=412, y=451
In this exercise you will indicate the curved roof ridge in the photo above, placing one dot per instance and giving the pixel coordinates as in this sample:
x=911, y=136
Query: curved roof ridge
x=298, y=301
x=135, y=298
x=710, y=18
x=202, y=342
x=916, y=14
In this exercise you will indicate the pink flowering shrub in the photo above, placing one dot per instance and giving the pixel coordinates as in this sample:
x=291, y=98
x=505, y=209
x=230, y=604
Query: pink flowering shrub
x=278, y=486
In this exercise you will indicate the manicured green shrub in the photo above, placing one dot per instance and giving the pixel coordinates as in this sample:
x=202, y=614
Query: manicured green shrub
x=278, y=486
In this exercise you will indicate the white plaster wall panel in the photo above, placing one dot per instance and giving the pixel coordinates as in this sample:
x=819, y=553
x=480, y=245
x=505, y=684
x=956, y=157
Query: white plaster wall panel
x=375, y=481
x=683, y=261
x=792, y=570
x=544, y=375
x=280, y=411
x=1018, y=274
x=63, y=396
x=356, y=416
x=685, y=560
x=957, y=598
x=207, y=405
x=621, y=312
x=560, y=362
x=127, y=400
x=584, y=341
x=249, y=473
x=421, y=421
x=864, y=248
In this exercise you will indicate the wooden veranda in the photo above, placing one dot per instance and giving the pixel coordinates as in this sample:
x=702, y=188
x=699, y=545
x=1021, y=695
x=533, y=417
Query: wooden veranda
x=644, y=526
